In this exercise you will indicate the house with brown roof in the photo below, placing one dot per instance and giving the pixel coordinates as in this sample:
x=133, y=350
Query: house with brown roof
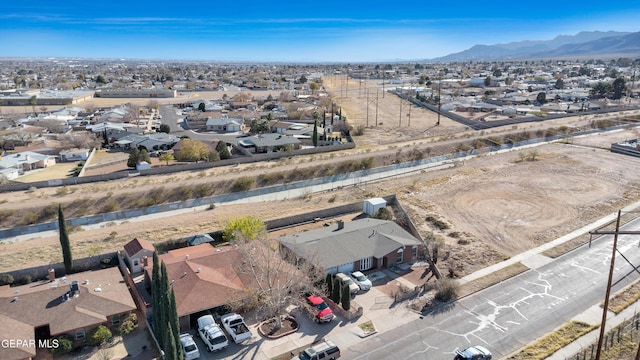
x=203, y=277
x=72, y=305
x=135, y=252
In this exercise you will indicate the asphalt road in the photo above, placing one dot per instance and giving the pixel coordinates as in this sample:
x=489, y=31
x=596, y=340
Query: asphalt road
x=514, y=313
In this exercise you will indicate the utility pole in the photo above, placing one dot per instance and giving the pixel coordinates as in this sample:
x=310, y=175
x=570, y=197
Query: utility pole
x=409, y=114
x=347, y=83
x=400, y=118
x=608, y=292
x=439, y=97
x=367, y=107
x=377, y=106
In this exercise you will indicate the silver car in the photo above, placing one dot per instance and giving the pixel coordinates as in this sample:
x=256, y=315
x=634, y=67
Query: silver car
x=361, y=280
x=189, y=347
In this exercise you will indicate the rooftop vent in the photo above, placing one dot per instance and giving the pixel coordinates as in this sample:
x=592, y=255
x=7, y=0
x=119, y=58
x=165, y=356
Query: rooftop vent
x=340, y=224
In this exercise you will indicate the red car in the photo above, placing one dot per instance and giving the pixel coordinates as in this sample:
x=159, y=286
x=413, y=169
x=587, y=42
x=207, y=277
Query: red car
x=318, y=308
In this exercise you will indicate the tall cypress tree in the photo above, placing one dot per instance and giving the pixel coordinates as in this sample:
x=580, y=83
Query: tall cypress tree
x=64, y=242
x=174, y=321
x=314, y=136
x=155, y=296
x=346, y=297
x=329, y=281
x=163, y=301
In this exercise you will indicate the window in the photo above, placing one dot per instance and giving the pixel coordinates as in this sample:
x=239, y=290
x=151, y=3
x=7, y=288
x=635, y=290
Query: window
x=136, y=262
x=115, y=319
x=366, y=263
x=399, y=256
x=80, y=334
x=414, y=252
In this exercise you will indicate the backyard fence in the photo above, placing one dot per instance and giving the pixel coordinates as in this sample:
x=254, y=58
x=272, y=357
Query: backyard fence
x=628, y=332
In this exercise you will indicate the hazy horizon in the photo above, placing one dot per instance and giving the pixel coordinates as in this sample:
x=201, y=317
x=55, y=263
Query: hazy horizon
x=251, y=31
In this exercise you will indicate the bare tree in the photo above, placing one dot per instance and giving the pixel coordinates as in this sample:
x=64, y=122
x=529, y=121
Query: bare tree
x=280, y=276
x=79, y=141
x=54, y=126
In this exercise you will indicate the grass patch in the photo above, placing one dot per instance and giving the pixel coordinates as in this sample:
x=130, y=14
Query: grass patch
x=367, y=327
x=567, y=246
x=625, y=297
x=492, y=279
x=553, y=342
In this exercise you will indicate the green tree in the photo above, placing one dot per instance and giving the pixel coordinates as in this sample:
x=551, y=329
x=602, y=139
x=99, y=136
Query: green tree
x=65, y=345
x=99, y=336
x=170, y=348
x=174, y=323
x=346, y=297
x=336, y=290
x=313, y=87
x=249, y=227
x=259, y=126
x=202, y=107
x=64, y=242
x=134, y=158
x=329, y=283
x=223, y=150
x=192, y=150
x=100, y=80
x=619, y=88
x=33, y=100
x=164, y=128
x=542, y=97
x=487, y=81
x=155, y=296
x=144, y=155
x=314, y=136
x=559, y=84
x=105, y=138
x=166, y=157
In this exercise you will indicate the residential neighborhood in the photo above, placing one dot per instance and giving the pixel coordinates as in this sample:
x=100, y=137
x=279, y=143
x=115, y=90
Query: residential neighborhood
x=350, y=260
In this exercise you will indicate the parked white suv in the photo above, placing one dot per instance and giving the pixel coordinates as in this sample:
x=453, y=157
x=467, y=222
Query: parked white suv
x=344, y=279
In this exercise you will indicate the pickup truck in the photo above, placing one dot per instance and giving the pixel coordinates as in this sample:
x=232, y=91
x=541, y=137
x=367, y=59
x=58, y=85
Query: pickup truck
x=211, y=333
x=315, y=305
x=236, y=327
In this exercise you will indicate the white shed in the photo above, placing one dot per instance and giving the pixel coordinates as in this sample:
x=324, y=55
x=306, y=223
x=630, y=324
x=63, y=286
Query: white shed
x=370, y=206
x=143, y=165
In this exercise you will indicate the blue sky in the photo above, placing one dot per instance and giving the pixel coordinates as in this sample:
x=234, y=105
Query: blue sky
x=298, y=31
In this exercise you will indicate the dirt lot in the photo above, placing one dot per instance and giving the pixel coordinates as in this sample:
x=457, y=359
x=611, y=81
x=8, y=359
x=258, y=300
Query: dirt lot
x=492, y=207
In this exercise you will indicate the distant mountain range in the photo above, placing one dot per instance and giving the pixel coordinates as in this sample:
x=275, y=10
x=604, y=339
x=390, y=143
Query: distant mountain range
x=595, y=44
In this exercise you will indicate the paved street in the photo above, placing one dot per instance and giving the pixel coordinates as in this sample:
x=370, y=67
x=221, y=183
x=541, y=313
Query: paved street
x=513, y=313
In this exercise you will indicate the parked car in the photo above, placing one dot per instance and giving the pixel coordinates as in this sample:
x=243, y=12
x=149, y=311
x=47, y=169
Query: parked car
x=361, y=280
x=236, y=327
x=316, y=306
x=325, y=350
x=189, y=347
x=473, y=353
x=345, y=280
x=211, y=333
